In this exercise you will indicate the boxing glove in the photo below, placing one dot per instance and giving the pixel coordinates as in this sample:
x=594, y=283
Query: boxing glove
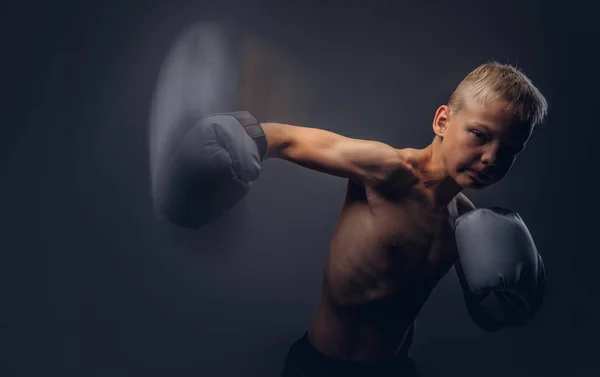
x=210, y=169
x=500, y=263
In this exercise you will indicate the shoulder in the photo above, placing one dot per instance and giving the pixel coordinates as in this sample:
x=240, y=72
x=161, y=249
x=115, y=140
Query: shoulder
x=406, y=159
x=398, y=174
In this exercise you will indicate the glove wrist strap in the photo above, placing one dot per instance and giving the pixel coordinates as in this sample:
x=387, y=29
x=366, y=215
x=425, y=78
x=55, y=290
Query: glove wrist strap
x=253, y=129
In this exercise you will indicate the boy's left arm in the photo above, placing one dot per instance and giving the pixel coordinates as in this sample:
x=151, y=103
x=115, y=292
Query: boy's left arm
x=500, y=271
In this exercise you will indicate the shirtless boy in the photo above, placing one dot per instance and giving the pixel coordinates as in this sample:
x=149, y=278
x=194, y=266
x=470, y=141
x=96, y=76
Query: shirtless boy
x=404, y=224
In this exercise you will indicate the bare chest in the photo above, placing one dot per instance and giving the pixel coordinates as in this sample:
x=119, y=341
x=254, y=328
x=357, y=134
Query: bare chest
x=405, y=249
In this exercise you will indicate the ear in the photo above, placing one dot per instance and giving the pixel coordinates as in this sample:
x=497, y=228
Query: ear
x=440, y=121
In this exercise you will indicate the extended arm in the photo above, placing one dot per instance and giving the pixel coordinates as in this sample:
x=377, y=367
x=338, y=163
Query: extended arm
x=213, y=164
x=367, y=162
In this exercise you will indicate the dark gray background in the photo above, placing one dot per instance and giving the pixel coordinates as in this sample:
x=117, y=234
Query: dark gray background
x=93, y=285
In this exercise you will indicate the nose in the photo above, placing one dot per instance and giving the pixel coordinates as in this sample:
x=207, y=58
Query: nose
x=489, y=156
x=497, y=160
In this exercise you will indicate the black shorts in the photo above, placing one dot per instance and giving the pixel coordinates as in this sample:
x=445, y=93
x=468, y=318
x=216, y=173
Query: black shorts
x=303, y=360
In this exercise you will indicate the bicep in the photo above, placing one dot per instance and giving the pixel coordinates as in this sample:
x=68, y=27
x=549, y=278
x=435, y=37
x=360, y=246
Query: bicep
x=364, y=161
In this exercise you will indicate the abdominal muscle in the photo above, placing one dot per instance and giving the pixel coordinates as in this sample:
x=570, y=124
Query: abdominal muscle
x=380, y=270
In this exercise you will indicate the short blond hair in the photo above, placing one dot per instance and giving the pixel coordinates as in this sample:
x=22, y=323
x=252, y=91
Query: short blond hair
x=495, y=81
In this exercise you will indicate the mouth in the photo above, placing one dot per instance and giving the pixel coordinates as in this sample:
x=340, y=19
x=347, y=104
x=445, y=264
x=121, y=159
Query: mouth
x=478, y=177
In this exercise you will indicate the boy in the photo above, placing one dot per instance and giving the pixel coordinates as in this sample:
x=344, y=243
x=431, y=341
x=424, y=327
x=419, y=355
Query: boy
x=404, y=221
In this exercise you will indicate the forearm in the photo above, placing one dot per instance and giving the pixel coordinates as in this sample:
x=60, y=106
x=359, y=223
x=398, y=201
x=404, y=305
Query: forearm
x=318, y=150
x=284, y=139
x=278, y=139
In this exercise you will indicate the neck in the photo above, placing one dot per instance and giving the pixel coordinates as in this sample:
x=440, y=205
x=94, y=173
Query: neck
x=434, y=175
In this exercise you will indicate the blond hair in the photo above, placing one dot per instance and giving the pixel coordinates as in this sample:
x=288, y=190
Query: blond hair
x=495, y=81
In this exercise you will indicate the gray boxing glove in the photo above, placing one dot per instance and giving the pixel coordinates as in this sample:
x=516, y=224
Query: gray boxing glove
x=210, y=169
x=501, y=264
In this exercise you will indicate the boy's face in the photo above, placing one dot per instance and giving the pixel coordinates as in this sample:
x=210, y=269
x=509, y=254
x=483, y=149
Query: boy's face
x=480, y=142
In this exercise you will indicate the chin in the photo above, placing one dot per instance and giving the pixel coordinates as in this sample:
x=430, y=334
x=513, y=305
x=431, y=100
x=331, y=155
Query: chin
x=470, y=186
x=463, y=183
x=469, y=183
x=474, y=187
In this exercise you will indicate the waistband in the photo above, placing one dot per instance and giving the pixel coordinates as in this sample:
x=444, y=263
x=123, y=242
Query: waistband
x=302, y=352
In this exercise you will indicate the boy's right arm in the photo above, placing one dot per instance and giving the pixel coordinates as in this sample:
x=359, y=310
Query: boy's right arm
x=211, y=166
x=370, y=163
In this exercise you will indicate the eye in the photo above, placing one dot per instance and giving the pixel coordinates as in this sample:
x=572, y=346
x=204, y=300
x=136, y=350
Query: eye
x=479, y=135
